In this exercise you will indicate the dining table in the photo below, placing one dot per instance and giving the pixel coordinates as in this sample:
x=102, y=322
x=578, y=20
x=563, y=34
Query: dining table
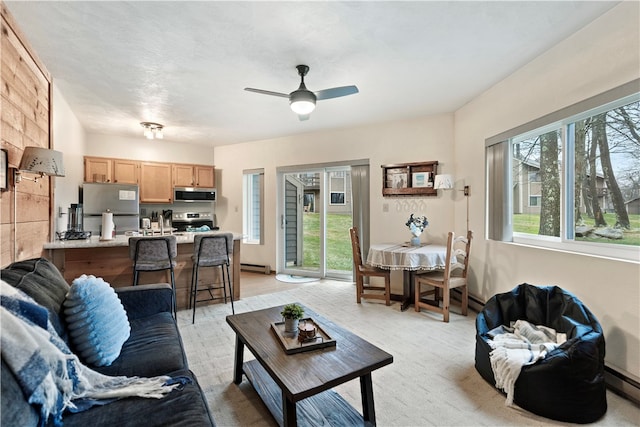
x=410, y=259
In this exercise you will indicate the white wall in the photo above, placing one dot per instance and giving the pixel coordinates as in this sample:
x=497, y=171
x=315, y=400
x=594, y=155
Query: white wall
x=68, y=137
x=424, y=139
x=140, y=148
x=603, y=55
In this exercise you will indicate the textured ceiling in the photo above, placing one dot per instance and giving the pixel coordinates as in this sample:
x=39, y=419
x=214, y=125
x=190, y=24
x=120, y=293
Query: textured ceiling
x=185, y=64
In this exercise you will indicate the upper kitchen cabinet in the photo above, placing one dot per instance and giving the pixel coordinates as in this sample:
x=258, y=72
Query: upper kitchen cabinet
x=125, y=171
x=193, y=176
x=205, y=176
x=98, y=169
x=103, y=169
x=183, y=176
x=155, y=182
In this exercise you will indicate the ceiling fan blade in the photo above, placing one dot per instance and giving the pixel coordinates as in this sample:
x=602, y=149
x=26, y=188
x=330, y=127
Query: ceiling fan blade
x=267, y=92
x=303, y=117
x=336, y=92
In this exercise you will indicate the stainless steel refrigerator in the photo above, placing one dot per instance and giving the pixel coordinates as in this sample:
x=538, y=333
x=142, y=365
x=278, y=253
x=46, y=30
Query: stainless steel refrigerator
x=123, y=200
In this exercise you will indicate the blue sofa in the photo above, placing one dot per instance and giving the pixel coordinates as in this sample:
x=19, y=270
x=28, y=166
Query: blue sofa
x=153, y=348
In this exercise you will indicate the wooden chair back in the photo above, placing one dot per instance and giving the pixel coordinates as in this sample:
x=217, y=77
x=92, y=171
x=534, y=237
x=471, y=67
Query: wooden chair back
x=361, y=270
x=457, y=255
x=355, y=246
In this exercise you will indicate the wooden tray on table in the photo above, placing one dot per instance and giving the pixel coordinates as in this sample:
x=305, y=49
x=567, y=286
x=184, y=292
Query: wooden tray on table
x=292, y=344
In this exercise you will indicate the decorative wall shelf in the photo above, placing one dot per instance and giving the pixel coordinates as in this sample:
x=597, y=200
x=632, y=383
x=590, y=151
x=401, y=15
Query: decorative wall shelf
x=409, y=179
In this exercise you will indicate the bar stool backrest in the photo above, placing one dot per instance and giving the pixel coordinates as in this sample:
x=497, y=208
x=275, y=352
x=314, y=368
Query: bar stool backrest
x=211, y=250
x=160, y=250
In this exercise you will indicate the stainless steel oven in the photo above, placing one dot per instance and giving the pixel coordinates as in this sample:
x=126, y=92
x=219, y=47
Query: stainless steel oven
x=183, y=220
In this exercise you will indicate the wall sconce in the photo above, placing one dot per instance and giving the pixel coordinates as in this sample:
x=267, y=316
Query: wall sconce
x=36, y=160
x=152, y=130
x=446, y=182
x=40, y=161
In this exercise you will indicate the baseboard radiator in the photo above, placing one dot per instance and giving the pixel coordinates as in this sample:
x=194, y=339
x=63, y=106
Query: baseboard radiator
x=621, y=383
x=256, y=268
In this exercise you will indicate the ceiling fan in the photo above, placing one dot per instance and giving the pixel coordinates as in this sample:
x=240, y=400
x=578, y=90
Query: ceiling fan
x=302, y=100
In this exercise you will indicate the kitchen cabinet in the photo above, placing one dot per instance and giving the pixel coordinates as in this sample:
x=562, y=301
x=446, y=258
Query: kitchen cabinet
x=156, y=182
x=205, y=176
x=156, y=179
x=183, y=176
x=98, y=169
x=125, y=171
x=409, y=179
x=193, y=176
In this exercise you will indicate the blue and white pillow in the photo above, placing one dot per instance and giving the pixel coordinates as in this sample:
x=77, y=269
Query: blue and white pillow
x=97, y=322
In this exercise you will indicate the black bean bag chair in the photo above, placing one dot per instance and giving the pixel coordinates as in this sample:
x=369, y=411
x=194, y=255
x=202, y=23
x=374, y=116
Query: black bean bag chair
x=568, y=384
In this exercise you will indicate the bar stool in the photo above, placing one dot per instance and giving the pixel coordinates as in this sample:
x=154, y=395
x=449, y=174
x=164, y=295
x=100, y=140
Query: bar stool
x=211, y=251
x=154, y=254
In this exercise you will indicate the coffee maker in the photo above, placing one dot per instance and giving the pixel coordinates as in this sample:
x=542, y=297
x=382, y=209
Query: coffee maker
x=74, y=224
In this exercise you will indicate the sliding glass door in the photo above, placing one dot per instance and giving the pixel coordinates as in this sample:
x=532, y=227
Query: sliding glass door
x=315, y=216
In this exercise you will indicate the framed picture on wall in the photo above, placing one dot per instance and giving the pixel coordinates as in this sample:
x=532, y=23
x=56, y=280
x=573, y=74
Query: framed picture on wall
x=421, y=179
x=4, y=162
x=399, y=180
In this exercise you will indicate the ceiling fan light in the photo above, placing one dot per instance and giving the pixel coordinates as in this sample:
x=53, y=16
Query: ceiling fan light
x=302, y=101
x=303, y=107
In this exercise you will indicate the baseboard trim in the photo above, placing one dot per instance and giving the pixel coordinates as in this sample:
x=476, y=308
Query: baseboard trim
x=256, y=268
x=622, y=384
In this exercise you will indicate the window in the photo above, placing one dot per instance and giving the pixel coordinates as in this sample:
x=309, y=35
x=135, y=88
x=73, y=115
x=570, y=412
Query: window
x=252, y=212
x=571, y=180
x=337, y=187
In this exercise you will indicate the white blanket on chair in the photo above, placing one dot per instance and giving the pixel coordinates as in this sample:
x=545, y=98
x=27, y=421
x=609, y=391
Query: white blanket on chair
x=524, y=346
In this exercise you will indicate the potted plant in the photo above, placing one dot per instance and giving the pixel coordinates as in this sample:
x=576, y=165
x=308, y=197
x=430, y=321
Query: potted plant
x=291, y=313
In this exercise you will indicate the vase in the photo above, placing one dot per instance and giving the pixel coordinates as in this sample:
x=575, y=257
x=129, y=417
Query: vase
x=415, y=241
x=290, y=325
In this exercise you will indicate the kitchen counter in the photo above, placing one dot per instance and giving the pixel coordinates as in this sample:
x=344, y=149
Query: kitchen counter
x=122, y=240
x=110, y=260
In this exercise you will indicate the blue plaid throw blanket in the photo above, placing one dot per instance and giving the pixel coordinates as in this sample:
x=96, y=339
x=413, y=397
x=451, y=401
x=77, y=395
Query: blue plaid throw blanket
x=52, y=378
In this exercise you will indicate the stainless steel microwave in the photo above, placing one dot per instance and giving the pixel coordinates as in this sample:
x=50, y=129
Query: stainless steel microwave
x=193, y=194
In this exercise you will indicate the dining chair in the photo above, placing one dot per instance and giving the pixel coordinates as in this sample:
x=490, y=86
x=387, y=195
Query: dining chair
x=211, y=251
x=362, y=270
x=453, y=276
x=154, y=254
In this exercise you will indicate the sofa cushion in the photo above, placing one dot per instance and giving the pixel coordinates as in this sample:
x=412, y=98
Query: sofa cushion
x=42, y=281
x=154, y=348
x=96, y=320
x=185, y=407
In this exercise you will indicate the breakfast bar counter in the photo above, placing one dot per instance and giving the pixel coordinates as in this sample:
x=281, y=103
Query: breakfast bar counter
x=110, y=260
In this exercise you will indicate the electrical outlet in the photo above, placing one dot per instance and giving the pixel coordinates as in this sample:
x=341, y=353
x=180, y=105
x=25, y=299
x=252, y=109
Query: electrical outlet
x=385, y=207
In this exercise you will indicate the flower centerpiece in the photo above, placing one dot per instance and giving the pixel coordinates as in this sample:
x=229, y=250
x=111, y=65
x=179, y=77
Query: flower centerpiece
x=417, y=225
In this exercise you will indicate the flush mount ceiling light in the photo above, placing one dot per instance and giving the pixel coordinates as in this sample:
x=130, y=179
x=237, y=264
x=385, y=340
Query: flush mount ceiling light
x=152, y=130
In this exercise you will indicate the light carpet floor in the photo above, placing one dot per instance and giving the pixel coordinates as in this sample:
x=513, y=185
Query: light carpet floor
x=432, y=380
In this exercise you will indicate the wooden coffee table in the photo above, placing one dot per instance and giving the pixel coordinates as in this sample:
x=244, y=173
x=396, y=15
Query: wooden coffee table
x=296, y=387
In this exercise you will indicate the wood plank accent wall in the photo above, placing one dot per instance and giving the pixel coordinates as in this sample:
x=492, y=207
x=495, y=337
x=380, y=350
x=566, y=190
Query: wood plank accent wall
x=25, y=120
